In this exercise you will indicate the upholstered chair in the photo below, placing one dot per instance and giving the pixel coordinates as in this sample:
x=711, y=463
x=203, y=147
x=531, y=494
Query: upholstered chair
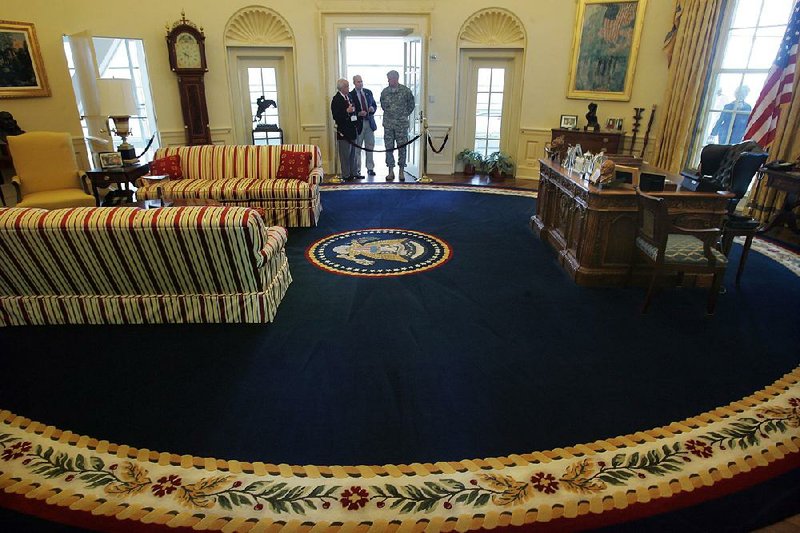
x=735, y=224
x=47, y=174
x=670, y=248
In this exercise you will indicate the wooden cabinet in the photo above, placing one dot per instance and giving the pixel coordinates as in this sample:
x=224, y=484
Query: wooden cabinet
x=592, y=230
x=610, y=142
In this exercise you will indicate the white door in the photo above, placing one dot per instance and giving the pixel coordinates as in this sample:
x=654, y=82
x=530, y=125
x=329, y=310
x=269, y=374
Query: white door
x=412, y=78
x=487, y=105
x=272, y=78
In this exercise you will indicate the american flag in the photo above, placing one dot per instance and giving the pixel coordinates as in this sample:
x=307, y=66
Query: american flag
x=616, y=17
x=778, y=87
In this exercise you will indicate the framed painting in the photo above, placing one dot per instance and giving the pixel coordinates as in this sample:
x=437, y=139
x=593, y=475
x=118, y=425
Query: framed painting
x=21, y=67
x=604, y=49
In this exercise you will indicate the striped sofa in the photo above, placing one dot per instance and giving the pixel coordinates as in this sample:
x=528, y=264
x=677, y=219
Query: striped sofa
x=124, y=265
x=244, y=175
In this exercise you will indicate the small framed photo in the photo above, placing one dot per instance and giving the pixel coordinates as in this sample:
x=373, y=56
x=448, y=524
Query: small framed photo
x=619, y=124
x=569, y=122
x=110, y=159
x=611, y=124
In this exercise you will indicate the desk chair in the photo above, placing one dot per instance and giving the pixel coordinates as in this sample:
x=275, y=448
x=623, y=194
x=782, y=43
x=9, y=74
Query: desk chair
x=47, y=172
x=736, y=225
x=672, y=248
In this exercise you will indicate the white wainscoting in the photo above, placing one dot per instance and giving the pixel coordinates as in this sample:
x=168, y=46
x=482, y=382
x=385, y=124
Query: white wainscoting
x=444, y=162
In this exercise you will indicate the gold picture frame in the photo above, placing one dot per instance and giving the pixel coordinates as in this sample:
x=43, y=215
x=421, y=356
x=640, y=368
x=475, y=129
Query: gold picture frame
x=22, y=72
x=605, y=48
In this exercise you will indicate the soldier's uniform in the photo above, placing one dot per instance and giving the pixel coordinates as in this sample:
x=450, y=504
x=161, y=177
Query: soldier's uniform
x=398, y=104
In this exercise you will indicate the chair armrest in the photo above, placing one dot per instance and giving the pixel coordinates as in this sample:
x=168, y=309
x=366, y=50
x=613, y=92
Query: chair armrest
x=16, y=181
x=315, y=176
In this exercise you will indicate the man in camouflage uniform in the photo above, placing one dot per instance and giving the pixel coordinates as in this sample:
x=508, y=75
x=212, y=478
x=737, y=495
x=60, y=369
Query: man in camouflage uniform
x=397, y=102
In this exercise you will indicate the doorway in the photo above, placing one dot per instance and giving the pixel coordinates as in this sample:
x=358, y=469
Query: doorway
x=371, y=54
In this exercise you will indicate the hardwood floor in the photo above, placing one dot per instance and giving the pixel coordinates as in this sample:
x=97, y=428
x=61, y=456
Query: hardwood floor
x=458, y=179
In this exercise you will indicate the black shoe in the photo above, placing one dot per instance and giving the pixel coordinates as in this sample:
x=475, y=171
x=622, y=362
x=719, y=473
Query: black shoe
x=348, y=178
x=358, y=177
x=371, y=172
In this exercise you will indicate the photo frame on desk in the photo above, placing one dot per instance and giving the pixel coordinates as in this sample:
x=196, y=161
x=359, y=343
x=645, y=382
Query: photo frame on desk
x=22, y=72
x=569, y=122
x=606, y=32
x=110, y=160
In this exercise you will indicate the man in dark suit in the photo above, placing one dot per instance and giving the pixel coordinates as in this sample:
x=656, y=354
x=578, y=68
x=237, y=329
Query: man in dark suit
x=365, y=109
x=344, y=114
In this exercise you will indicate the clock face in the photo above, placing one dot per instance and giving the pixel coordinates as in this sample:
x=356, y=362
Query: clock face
x=187, y=51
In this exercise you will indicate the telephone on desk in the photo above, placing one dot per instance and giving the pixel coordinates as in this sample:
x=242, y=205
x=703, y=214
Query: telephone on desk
x=694, y=181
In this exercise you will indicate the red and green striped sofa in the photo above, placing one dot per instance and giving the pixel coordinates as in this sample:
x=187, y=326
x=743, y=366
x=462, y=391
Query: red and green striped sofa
x=124, y=265
x=244, y=175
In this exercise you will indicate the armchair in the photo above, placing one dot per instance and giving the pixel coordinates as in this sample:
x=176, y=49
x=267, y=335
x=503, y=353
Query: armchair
x=47, y=174
x=736, y=225
x=672, y=248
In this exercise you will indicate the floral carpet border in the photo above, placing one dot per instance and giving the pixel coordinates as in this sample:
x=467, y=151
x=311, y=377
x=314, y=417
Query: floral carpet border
x=82, y=473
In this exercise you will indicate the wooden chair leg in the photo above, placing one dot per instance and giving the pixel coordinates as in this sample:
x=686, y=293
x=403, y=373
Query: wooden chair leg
x=726, y=242
x=714, y=291
x=745, y=251
x=650, y=291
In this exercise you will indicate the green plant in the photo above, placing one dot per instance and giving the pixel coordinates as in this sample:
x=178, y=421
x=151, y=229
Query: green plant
x=499, y=163
x=470, y=157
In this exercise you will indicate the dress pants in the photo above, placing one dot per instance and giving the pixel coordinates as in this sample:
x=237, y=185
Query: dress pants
x=392, y=134
x=347, y=157
x=366, y=139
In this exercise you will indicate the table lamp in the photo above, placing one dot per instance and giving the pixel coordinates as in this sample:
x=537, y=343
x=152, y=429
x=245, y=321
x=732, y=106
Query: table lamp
x=117, y=103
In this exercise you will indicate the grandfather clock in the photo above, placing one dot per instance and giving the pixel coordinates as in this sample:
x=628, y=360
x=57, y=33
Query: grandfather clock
x=187, y=59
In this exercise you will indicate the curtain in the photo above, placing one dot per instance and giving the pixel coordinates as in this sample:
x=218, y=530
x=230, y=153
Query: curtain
x=764, y=200
x=691, y=61
x=85, y=86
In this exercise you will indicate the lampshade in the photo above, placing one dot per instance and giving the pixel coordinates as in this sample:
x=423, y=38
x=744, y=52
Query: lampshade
x=116, y=97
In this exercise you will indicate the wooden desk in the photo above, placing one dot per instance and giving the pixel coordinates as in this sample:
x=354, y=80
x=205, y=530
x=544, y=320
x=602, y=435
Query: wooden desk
x=592, y=229
x=102, y=178
x=790, y=183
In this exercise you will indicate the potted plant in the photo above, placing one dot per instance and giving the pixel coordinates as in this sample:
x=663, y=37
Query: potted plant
x=473, y=161
x=499, y=165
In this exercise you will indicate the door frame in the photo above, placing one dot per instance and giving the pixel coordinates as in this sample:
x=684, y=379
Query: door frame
x=287, y=89
x=512, y=97
x=335, y=24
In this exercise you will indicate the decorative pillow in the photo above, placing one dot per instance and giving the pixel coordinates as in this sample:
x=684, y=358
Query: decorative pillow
x=170, y=165
x=294, y=165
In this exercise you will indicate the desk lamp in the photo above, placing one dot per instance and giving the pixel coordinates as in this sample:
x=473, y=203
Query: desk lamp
x=117, y=103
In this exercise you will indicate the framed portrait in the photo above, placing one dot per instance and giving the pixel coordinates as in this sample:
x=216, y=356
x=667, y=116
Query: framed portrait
x=110, y=159
x=611, y=124
x=21, y=67
x=569, y=122
x=604, y=49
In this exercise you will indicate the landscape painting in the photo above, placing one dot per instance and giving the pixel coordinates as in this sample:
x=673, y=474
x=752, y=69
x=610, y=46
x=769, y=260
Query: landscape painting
x=605, y=47
x=21, y=68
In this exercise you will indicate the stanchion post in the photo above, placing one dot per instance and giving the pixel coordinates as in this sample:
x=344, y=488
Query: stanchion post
x=335, y=178
x=424, y=178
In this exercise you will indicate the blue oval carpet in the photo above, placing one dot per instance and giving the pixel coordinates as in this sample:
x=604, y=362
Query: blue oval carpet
x=428, y=331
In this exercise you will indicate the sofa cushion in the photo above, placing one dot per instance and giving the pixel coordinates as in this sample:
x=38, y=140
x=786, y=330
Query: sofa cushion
x=230, y=190
x=294, y=165
x=169, y=165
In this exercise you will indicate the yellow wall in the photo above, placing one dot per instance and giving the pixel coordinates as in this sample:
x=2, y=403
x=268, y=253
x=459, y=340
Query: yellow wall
x=548, y=25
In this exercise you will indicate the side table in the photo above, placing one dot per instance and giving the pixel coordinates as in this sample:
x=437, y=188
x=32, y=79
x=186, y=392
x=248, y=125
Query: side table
x=123, y=176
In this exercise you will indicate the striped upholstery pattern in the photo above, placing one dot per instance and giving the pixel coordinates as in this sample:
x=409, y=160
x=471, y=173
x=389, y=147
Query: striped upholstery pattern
x=127, y=265
x=244, y=175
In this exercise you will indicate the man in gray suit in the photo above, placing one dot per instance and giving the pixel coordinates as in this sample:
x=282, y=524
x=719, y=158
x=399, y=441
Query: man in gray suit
x=365, y=109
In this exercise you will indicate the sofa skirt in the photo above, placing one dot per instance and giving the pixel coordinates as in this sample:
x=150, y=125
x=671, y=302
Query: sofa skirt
x=257, y=307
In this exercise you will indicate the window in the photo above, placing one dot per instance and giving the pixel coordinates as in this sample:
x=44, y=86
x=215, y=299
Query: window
x=263, y=81
x=489, y=109
x=124, y=59
x=747, y=49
